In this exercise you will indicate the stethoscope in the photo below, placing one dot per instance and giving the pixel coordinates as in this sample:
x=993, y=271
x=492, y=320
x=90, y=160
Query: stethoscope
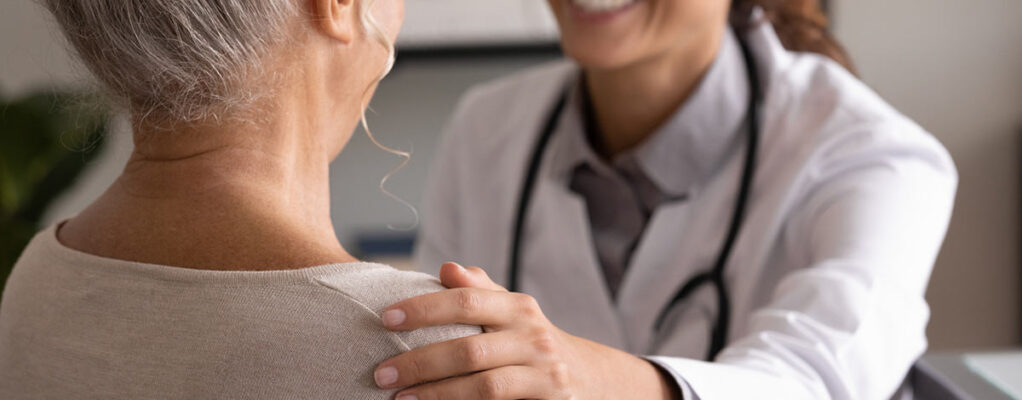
x=714, y=276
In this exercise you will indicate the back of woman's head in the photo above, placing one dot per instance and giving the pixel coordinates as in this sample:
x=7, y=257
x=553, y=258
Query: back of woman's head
x=177, y=59
x=800, y=24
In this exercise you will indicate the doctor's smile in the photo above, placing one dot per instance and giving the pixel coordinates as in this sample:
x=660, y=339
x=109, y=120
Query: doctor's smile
x=600, y=10
x=620, y=199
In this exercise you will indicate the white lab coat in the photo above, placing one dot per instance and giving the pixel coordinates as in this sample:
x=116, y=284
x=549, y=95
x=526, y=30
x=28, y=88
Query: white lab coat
x=849, y=207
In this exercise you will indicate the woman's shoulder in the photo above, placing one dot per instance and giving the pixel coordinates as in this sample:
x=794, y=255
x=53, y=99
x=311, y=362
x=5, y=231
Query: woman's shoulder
x=331, y=299
x=374, y=287
x=377, y=286
x=308, y=333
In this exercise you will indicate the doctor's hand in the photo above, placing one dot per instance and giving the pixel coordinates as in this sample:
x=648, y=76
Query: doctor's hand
x=520, y=355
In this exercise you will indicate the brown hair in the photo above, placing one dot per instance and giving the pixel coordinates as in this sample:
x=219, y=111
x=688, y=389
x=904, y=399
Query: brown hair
x=800, y=24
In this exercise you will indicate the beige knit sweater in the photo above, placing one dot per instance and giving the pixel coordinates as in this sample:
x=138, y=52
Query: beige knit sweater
x=78, y=326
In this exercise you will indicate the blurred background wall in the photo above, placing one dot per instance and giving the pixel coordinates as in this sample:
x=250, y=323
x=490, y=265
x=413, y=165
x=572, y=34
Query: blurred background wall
x=954, y=66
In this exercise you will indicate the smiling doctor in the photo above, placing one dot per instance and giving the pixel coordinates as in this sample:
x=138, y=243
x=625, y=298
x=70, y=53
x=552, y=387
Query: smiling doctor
x=705, y=203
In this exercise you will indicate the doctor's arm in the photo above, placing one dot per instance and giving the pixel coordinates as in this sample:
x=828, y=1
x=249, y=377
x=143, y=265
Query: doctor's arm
x=850, y=322
x=847, y=323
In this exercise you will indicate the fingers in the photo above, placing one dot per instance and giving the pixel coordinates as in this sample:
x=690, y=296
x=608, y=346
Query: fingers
x=513, y=382
x=452, y=358
x=469, y=306
x=453, y=275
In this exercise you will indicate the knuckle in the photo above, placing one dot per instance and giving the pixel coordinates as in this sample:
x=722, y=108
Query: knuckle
x=560, y=376
x=491, y=386
x=528, y=305
x=544, y=342
x=468, y=301
x=473, y=354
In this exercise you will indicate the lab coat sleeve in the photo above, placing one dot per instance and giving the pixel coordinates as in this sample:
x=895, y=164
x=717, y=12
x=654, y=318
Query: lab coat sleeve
x=438, y=237
x=683, y=387
x=850, y=321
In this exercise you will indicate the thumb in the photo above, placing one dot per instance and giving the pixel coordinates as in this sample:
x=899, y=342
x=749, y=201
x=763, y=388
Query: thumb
x=453, y=275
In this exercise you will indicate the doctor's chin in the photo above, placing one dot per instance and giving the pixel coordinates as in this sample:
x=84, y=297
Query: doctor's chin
x=510, y=199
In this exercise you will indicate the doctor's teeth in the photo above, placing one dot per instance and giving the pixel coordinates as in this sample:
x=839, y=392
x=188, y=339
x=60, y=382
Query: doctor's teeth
x=601, y=5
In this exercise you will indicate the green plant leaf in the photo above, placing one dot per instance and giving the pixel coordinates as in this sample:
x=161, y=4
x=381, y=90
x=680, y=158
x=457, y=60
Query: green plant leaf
x=46, y=140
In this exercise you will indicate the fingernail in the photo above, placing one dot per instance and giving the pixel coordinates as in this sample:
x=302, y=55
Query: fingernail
x=407, y=397
x=393, y=317
x=385, y=376
x=460, y=268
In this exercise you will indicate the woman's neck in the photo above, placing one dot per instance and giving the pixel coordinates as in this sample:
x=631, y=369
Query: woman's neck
x=631, y=102
x=219, y=196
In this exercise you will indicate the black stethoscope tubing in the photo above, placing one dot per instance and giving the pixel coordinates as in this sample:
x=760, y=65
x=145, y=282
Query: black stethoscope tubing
x=714, y=276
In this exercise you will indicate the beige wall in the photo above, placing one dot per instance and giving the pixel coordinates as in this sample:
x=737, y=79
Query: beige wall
x=956, y=68
x=31, y=54
x=953, y=65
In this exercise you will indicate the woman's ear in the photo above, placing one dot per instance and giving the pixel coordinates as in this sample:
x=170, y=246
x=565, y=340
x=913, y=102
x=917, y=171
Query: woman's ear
x=336, y=18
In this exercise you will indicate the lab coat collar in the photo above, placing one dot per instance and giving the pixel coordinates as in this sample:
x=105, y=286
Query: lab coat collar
x=688, y=147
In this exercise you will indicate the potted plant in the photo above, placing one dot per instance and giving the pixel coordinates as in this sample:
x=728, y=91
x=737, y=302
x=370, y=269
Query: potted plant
x=46, y=141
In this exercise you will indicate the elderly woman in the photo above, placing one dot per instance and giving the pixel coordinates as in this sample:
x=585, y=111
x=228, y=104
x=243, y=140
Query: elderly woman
x=210, y=268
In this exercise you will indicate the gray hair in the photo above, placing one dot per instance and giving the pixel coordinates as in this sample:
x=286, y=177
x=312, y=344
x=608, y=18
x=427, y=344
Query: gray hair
x=183, y=60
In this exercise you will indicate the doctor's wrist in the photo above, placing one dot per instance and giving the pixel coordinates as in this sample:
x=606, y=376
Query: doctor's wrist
x=610, y=373
x=669, y=388
x=647, y=380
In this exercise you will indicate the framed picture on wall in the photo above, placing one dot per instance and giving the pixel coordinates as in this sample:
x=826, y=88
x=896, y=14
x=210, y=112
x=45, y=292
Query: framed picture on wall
x=476, y=23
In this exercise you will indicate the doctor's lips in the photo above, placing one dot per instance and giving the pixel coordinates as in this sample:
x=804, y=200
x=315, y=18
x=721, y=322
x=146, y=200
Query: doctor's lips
x=600, y=9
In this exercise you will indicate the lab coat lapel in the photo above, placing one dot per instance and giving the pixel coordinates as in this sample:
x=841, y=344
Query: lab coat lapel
x=573, y=295
x=654, y=269
x=686, y=244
